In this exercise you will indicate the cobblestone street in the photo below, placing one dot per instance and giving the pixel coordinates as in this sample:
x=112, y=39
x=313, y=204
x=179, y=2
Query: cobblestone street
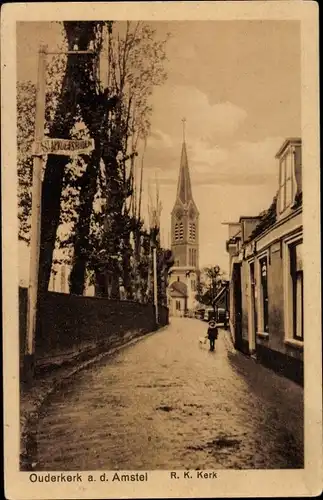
x=167, y=402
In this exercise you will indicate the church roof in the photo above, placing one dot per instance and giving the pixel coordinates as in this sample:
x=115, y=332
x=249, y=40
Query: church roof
x=178, y=287
x=184, y=188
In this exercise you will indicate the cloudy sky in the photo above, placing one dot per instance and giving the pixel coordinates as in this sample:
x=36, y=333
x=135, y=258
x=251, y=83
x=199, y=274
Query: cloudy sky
x=237, y=83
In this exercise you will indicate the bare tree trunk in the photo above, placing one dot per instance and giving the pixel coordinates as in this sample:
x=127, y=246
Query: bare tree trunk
x=82, y=233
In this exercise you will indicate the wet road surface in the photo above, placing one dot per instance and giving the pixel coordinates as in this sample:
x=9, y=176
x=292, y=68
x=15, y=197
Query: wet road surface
x=166, y=402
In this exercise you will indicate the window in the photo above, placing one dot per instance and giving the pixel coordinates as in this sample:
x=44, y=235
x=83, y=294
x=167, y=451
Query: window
x=293, y=290
x=194, y=258
x=286, y=185
x=192, y=231
x=264, y=293
x=176, y=232
x=181, y=231
x=178, y=305
x=296, y=271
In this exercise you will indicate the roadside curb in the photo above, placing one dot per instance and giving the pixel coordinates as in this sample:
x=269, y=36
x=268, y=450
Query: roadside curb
x=29, y=421
x=228, y=342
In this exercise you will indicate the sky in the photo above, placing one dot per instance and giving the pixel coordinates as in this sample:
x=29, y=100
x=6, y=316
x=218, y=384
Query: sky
x=238, y=84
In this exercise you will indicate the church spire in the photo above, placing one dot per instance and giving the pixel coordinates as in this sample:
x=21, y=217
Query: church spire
x=183, y=121
x=184, y=189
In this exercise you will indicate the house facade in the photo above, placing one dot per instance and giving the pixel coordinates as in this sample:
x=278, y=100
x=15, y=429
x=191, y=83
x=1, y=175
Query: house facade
x=266, y=274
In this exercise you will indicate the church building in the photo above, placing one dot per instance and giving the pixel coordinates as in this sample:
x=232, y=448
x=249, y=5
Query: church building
x=184, y=275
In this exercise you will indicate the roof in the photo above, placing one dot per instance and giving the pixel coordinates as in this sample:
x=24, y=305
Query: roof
x=220, y=294
x=287, y=142
x=267, y=219
x=184, y=188
x=249, y=217
x=178, y=287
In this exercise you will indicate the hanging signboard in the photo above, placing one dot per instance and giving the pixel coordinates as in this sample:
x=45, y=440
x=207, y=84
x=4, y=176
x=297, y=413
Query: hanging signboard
x=63, y=146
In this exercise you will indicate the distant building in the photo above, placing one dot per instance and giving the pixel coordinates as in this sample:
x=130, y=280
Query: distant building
x=266, y=274
x=184, y=275
x=178, y=298
x=59, y=277
x=59, y=280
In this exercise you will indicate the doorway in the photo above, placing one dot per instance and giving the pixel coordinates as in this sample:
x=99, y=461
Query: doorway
x=253, y=307
x=237, y=306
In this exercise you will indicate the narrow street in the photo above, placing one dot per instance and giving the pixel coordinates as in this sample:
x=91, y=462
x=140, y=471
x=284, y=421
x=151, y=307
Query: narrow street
x=166, y=402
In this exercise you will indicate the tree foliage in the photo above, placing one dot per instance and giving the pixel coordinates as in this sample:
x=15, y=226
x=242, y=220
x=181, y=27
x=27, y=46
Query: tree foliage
x=91, y=204
x=209, y=285
x=134, y=67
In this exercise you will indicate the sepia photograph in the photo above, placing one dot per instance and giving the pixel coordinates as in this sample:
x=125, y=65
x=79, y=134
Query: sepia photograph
x=162, y=252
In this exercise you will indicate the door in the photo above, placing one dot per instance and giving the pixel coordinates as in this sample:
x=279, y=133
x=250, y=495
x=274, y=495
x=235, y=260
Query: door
x=237, y=306
x=253, y=306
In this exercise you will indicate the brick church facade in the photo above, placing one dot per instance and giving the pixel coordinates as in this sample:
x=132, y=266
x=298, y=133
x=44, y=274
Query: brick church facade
x=184, y=275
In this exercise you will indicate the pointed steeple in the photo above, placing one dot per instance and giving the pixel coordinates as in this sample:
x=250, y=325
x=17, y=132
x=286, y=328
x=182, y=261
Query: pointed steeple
x=185, y=221
x=184, y=188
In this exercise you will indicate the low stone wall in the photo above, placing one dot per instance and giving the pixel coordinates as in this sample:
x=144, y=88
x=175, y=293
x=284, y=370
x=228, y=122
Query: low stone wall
x=72, y=324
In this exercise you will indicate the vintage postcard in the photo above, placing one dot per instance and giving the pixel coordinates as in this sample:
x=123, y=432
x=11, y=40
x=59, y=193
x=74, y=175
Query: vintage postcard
x=161, y=250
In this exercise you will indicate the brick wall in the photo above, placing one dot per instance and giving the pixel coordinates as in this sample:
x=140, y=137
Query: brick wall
x=71, y=323
x=179, y=252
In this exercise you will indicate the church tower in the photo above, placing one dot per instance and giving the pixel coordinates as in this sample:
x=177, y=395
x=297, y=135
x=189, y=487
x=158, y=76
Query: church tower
x=184, y=241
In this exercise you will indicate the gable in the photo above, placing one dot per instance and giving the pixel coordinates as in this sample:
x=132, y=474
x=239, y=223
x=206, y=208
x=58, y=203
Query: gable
x=174, y=294
x=179, y=288
x=193, y=204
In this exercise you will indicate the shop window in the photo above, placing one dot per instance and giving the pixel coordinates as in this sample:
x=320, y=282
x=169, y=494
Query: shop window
x=178, y=305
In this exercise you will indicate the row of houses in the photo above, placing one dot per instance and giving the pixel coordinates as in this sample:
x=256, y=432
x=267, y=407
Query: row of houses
x=266, y=274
